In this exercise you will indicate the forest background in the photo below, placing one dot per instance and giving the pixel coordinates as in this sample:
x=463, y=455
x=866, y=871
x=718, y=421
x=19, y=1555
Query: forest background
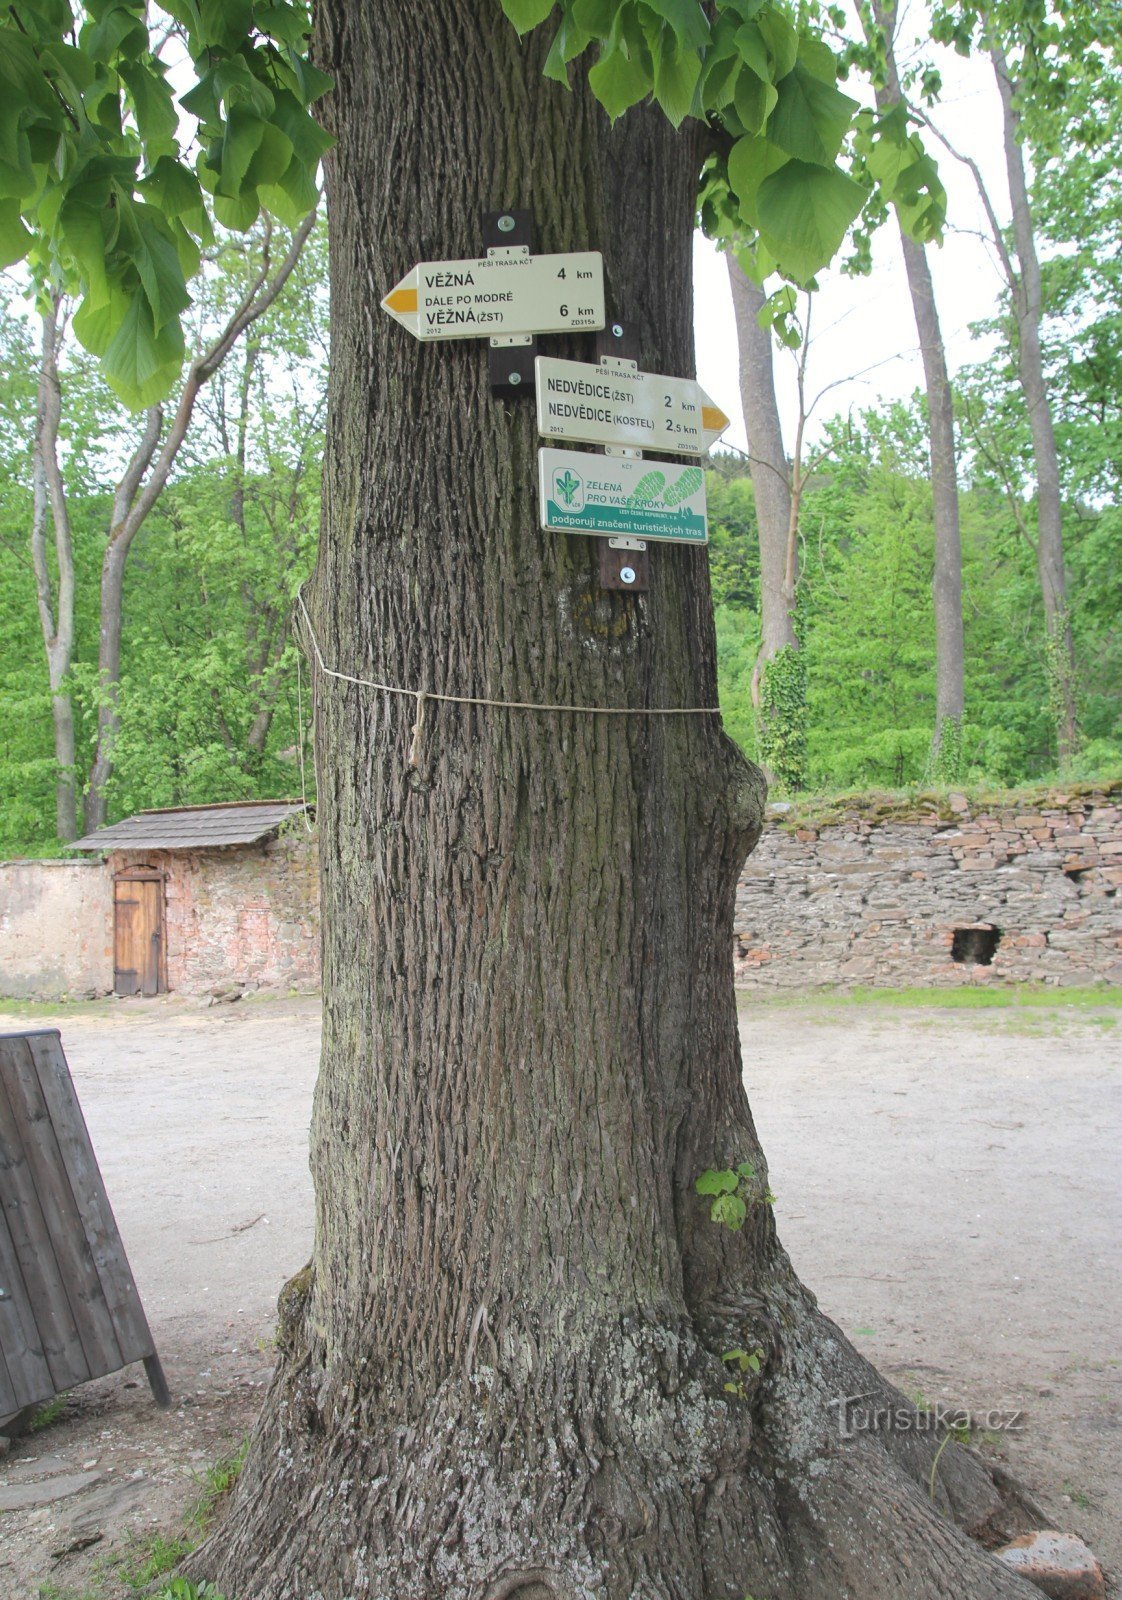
x=211, y=704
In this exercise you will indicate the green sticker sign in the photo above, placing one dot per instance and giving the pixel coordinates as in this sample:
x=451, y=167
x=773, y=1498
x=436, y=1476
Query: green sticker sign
x=621, y=497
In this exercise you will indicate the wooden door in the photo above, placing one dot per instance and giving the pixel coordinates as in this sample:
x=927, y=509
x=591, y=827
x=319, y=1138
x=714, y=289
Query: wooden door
x=138, y=933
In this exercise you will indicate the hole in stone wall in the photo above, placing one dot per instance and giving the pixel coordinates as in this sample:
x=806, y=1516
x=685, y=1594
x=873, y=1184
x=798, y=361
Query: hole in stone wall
x=975, y=946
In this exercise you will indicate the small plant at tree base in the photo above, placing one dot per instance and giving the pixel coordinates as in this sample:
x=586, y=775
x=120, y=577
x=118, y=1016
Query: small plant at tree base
x=733, y=1192
x=946, y=764
x=743, y=1362
x=1059, y=676
x=783, y=718
x=215, y=1483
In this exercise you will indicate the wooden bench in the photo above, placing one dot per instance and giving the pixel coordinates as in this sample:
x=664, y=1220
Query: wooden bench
x=69, y=1308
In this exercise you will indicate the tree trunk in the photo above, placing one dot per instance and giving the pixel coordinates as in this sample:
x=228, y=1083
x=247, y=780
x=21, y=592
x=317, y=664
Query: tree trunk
x=1028, y=311
x=109, y=681
x=55, y=601
x=501, y=1373
x=950, y=655
x=768, y=465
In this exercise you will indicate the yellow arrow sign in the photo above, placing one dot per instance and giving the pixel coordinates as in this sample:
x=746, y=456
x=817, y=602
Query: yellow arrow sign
x=507, y=292
x=616, y=404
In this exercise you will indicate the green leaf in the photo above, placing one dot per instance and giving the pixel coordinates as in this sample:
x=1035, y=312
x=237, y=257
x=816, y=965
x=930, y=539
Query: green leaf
x=244, y=133
x=174, y=188
x=225, y=23
x=751, y=160
x=718, y=80
x=781, y=39
x=818, y=59
x=238, y=214
x=15, y=240
x=689, y=22
x=271, y=159
x=157, y=120
x=595, y=17
x=120, y=30
x=292, y=196
x=312, y=83
x=287, y=23
x=527, y=14
x=712, y=1182
x=157, y=262
x=140, y=365
x=753, y=50
x=676, y=81
x=811, y=118
x=202, y=101
x=96, y=321
x=309, y=141
x=803, y=213
x=730, y=1210
x=754, y=99
x=618, y=81
x=746, y=1169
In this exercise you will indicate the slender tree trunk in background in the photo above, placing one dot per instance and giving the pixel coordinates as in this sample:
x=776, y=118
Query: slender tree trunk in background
x=141, y=486
x=778, y=686
x=950, y=654
x=770, y=471
x=123, y=529
x=1028, y=311
x=501, y=1373
x=56, y=602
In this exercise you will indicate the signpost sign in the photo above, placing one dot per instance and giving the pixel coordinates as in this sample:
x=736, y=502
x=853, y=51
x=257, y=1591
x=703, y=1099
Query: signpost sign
x=620, y=497
x=508, y=292
x=615, y=403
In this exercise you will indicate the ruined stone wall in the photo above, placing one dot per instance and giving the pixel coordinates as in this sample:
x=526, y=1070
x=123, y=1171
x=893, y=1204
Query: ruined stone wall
x=891, y=899
x=245, y=916
x=56, y=933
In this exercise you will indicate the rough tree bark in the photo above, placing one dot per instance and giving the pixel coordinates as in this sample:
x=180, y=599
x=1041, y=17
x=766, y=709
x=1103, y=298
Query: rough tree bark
x=55, y=599
x=950, y=655
x=501, y=1373
x=771, y=483
x=1028, y=310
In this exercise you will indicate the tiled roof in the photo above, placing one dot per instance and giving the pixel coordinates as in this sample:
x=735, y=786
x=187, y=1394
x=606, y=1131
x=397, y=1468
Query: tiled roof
x=194, y=827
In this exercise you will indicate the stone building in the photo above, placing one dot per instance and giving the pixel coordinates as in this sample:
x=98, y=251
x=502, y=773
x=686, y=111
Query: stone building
x=207, y=896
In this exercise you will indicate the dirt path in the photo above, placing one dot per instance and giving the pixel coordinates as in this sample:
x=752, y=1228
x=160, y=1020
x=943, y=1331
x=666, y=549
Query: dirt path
x=949, y=1183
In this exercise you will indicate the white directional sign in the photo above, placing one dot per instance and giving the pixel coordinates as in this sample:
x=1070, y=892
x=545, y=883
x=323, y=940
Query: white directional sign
x=508, y=292
x=615, y=403
x=620, y=497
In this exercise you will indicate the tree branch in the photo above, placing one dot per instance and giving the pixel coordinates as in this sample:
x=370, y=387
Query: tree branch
x=1010, y=271
x=254, y=305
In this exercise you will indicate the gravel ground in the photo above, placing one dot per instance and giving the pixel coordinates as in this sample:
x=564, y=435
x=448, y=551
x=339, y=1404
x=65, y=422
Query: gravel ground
x=948, y=1182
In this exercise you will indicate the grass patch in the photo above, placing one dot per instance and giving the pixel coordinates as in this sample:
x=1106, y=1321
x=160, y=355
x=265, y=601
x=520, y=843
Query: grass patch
x=969, y=997
x=49, y=1413
x=151, y=1558
x=138, y=1568
x=214, y=1485
x=52, y=1008
x=926, y=803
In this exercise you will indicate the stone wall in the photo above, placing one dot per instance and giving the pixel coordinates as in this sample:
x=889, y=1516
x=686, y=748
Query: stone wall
x=897, y=899
x=244, y=916
x=56, y=930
